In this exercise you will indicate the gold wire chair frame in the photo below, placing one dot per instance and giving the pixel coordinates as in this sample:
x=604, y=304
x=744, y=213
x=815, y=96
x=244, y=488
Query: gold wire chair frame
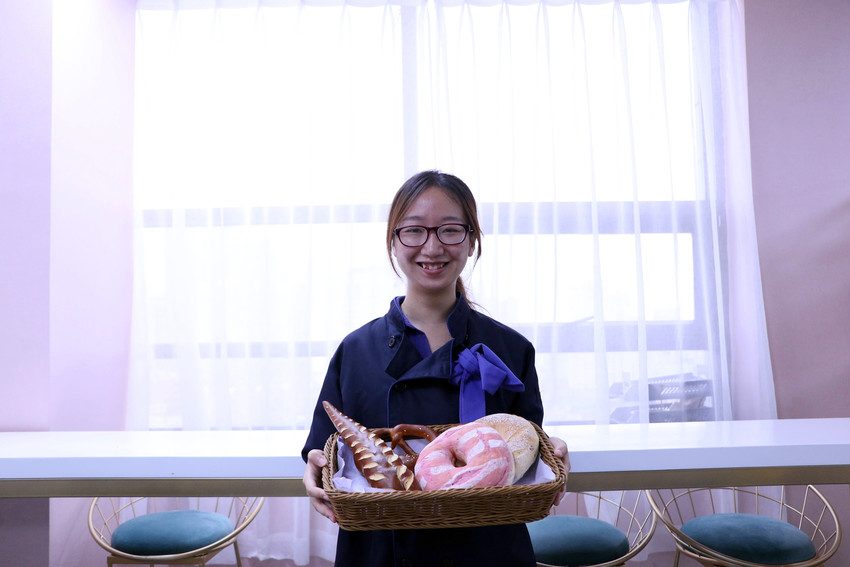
x=242, y=510
x=638, y=526
x=818, y=520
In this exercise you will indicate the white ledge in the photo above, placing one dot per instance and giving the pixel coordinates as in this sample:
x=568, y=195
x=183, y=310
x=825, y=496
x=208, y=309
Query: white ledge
x=114, y=463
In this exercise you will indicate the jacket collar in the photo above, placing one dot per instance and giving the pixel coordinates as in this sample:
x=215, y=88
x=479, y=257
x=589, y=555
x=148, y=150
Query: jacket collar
x=406, y=361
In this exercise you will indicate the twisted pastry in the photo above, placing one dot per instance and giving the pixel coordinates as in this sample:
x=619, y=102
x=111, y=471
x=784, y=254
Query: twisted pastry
x=398, y=436
x=373, y=457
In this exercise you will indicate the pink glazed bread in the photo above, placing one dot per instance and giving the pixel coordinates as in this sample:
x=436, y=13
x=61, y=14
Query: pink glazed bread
x=466, y=456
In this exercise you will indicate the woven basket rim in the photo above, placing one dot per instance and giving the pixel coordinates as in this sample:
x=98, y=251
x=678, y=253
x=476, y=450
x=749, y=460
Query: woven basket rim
x=520, y=503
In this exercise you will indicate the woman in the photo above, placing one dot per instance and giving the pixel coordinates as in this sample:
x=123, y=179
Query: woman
x=403, y=368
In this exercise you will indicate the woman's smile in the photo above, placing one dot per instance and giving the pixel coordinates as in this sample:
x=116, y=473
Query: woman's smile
x=432, y=266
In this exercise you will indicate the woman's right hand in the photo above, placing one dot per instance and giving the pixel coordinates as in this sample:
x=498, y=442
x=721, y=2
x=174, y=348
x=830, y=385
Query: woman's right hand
x=313, y=483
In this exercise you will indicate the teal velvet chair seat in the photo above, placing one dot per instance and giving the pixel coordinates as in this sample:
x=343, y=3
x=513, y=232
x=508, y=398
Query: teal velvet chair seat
x=598, y=529
x=749, y=526
x=576, y=540
x=753, y=538
x=169, y=533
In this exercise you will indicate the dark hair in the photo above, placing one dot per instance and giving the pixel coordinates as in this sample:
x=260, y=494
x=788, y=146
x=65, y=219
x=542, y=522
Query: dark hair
x=455, y=188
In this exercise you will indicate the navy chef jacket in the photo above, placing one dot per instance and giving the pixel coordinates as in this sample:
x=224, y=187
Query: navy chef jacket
x=378, y=378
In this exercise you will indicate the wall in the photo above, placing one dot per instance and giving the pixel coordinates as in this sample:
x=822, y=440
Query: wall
x=798, y=59
x=66, y=96
x=25, y=98
x=66, y=84
x=25, y=95
x=91, y=227
x=91, y=219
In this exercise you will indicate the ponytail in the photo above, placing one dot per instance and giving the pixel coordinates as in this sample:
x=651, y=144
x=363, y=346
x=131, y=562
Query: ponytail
x=460, y=289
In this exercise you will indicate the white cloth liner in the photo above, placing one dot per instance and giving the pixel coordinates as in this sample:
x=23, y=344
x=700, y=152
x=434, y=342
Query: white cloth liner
x=348, y=479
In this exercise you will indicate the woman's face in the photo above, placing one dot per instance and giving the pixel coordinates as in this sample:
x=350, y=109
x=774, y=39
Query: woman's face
x=432, y=267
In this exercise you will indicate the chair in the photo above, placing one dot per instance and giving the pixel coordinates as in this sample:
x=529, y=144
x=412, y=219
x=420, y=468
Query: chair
x=602, y=529
x=749, y=526
x=173, y=531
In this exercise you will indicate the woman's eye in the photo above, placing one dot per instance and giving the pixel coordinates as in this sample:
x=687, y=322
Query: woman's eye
x=412, y=230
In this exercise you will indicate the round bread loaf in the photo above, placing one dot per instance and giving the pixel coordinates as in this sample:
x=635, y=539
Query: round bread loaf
x=520, y=436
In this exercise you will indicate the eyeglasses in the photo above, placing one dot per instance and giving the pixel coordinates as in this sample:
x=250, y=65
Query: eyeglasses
x=448, y=234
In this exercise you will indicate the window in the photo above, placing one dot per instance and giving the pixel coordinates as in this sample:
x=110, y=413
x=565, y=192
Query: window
x=270, y=139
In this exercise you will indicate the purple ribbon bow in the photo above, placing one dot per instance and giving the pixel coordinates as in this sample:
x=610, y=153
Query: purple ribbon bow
x=479, y=369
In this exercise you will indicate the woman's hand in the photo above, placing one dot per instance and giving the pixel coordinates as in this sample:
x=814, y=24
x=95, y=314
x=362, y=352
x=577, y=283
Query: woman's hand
x=313, y=481
x=560, y=447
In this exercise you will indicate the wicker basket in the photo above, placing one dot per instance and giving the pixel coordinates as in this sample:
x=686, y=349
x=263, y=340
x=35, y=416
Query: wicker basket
x=457, y=508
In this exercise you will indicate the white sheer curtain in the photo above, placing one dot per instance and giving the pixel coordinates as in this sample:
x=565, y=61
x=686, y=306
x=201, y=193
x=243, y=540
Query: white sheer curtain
x=606, y=143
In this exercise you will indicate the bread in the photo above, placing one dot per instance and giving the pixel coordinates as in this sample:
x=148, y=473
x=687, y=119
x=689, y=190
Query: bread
x=471, y=455
x=520, y=436
x=373, y=457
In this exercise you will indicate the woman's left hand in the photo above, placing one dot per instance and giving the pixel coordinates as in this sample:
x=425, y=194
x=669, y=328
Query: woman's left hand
x=560, y=447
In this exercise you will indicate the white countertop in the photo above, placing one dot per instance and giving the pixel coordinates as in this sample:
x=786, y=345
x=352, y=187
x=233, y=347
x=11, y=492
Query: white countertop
x=695, y=445
x=156, y=454
x=41, y=464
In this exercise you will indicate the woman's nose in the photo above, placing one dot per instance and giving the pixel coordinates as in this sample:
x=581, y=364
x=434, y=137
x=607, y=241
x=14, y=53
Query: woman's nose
x=432, y=242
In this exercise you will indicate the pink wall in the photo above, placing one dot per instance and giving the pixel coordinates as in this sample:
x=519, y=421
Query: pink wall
x=66, y=95
x=66, y=86
x=799, y=78
x=91, y=219
x=798, y=59
x=90, y=237
x=25, y=98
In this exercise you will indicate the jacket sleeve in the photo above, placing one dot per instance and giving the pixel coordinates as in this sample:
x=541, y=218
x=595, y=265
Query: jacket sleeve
x=321, y=427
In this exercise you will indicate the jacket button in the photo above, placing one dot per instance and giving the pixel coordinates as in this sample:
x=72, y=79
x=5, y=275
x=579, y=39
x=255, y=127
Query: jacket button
x=391, y=342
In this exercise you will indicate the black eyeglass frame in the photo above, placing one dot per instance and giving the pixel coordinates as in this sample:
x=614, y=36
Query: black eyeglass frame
x=436, y=230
